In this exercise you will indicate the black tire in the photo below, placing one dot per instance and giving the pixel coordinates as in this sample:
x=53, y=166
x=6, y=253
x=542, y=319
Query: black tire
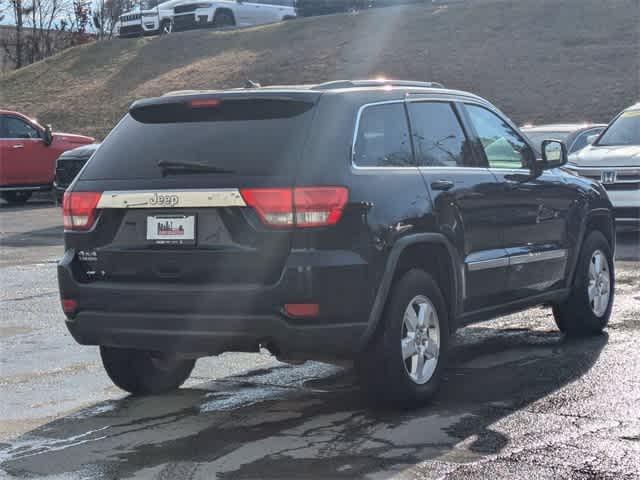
x=16, y=198
x=223, y=18
x=576, y=316
x=142, y=372
x=384, y=372
x=166, y=27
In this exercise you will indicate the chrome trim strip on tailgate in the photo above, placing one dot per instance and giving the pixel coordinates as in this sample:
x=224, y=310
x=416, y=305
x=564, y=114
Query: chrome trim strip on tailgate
x=222, y=197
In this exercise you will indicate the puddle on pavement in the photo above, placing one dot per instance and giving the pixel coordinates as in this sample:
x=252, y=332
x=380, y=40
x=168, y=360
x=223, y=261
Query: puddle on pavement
x=292, y=420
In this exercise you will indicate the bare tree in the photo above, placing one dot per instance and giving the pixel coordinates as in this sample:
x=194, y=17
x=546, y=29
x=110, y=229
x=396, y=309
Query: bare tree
x=105, y=16
x=19, y=11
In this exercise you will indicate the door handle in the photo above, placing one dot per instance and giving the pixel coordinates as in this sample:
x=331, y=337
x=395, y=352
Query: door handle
x=442, y=185
x=18, y=146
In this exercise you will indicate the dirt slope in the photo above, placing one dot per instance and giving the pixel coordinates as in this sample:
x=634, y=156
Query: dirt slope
x=538, y=60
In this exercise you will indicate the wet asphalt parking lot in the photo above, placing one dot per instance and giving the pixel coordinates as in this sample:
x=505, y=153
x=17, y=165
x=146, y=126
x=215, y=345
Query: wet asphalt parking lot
x=518, y=400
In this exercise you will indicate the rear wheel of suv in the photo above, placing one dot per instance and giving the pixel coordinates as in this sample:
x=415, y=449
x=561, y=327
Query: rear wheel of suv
x=16, y=198
x=587, y=310
x=144, y=372
x=223, y=18
x=403, y=365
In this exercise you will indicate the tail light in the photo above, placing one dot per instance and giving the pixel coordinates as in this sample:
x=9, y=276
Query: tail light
x=302, y=207
x=79, y=210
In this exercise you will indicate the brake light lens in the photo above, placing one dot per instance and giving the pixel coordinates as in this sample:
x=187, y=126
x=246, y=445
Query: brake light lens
x=204, y=103
x=302, y=309
x=319, y=206
x=302, y=207
x=79, y=210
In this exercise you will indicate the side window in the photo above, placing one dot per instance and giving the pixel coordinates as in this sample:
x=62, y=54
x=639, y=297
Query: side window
x=383, y=137
x=581, y=140
x=16, y=128
x=503, y=147
x=438, y=138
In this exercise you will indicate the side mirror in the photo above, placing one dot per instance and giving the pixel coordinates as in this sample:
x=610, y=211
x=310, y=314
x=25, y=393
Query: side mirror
x=554, y=154
x=48, y=135
x=592, y=138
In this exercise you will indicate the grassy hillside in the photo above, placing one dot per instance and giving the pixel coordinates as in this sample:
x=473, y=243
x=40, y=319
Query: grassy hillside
x=538, y=60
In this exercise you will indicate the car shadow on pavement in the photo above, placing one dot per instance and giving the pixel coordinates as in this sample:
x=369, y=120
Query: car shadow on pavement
x=310, y=421
x=42, y=237
x=40, y=200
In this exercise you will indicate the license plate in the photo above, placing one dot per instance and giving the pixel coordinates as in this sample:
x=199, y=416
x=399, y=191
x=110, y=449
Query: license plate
x=171, y=228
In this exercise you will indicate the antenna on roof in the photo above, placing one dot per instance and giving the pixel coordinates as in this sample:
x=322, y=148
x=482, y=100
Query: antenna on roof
x=251, y=84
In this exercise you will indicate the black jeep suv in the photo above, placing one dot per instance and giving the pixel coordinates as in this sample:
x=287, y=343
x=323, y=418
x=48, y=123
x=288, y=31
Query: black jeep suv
x=351, y=220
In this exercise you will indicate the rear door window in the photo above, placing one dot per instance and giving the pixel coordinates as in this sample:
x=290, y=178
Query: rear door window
x=581, y=140
x=438, y=138
x=383, y=137
x=245, y=138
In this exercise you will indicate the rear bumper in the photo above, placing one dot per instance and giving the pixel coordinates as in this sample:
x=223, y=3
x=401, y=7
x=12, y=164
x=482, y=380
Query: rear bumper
x=211, y=319
x=214, y=334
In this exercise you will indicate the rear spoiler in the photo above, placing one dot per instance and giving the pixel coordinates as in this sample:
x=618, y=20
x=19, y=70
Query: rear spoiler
x=223, y=106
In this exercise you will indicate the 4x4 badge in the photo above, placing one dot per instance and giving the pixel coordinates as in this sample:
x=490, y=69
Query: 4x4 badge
x=608, y=176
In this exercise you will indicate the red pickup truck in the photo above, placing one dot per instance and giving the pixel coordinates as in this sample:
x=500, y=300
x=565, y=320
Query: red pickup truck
x=28, y=153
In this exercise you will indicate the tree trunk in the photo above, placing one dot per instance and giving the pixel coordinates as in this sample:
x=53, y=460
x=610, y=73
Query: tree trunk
x=17, y=6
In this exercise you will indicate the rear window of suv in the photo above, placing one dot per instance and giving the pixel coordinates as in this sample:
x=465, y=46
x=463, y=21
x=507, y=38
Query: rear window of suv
x=248, y=138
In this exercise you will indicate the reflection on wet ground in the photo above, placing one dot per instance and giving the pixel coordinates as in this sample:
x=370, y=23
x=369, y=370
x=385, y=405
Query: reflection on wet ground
x=307, y=421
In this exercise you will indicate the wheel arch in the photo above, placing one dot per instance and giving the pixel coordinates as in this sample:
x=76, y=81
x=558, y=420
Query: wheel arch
x=225, y=10
x=432, y=252
x=601, y=220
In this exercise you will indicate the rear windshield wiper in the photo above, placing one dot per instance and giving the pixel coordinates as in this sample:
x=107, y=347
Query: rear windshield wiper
x=190, y=167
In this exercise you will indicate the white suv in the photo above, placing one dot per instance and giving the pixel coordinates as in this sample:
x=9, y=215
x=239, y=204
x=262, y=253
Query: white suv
x=224, y=13
x=148, y=21
x=613, y=158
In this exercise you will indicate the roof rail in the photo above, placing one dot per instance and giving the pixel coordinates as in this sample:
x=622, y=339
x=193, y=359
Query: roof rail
x=375, y=83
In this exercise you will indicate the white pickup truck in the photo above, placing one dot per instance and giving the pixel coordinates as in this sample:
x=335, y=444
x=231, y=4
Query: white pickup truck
x=148, y=20
x=225, y=13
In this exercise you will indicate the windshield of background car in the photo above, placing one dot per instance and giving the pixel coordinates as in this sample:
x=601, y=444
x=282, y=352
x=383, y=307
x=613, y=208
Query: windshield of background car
x=625, y=130
x=537, y=137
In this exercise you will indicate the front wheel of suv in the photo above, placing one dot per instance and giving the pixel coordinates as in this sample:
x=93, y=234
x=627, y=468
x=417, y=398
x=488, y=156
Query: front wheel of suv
x=587, y=309
x=404, y=363
x=142, y=372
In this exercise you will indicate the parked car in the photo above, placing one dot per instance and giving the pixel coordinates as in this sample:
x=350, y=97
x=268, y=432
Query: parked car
x=148, y=21
x=574, y=135
x=68, y=165
x=365, y=220
x=225, y=13
x=613, y=158
x=28, y=152
x=308, y=8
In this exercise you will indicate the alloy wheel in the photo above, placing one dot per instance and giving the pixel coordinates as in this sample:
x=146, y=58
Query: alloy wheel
x=420, y=343
x=599, y=287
